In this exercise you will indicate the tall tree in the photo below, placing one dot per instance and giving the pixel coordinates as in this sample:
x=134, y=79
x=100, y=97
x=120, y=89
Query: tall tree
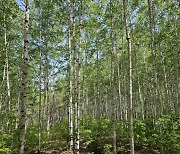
x=153, y=53
x=7, y=72
x=130, y=79
x=70, y=108
x=23, y=95
x=112, y=79
x=77, y=118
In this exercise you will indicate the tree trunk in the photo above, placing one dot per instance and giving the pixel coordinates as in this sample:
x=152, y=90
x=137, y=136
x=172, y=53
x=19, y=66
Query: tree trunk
x=78, y=86
x=7, y=75
x=23, y=95
x=112, y=79
x=1, y=98
x=47, y=103
x=70, y=108
x=153, y=53
x=140, y=97
x=130, y=79
x=40, y=101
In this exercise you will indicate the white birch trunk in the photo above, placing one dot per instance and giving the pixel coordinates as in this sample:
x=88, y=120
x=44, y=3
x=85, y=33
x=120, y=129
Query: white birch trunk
x=23, y=95
x=112, y=79
x=70, y=107
x=130, y=79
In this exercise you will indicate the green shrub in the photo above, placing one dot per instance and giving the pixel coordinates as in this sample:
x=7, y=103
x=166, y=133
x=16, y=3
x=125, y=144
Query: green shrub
x=31, y=140
x=169, y=134
x=107, y=149
x=9, y=142
x=60, y=131
x=5, y=151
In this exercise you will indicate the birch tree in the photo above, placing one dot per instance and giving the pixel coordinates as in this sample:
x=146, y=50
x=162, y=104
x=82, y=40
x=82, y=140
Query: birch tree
x=130, y=79
x=70, y=108
x=112, y=80
x=23, y=95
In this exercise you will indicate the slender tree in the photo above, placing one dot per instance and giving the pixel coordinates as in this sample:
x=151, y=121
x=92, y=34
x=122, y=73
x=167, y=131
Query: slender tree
x=23, y=95
x=70, y=108
x=7, y=73
x=153, y=53
x=40, y=98
x=77, y=117
x=130, y=79
x=112, y=80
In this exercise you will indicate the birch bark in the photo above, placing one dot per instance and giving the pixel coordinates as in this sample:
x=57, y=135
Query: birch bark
x=130, y=79
x=23, y=95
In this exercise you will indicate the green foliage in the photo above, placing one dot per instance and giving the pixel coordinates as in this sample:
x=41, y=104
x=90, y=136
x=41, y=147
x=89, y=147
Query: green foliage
x=31, y=138
x=145, y=135
x=165, y=135
x=169, y=134
x=5, y=151
x=107, y=149
x=140, y=131
x=9, y=142
x=5, y=143
x=96, y=135
x=60, y=131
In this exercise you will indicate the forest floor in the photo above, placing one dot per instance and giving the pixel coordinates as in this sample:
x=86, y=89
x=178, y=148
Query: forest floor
x=70, y=152
x=60, y=147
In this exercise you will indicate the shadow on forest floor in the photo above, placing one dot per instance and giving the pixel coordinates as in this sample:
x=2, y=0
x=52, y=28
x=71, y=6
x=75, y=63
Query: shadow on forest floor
x=60, y=147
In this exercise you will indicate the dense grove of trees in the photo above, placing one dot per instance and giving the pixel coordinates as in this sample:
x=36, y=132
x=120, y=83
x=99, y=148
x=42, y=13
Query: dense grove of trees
x=89, y=76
